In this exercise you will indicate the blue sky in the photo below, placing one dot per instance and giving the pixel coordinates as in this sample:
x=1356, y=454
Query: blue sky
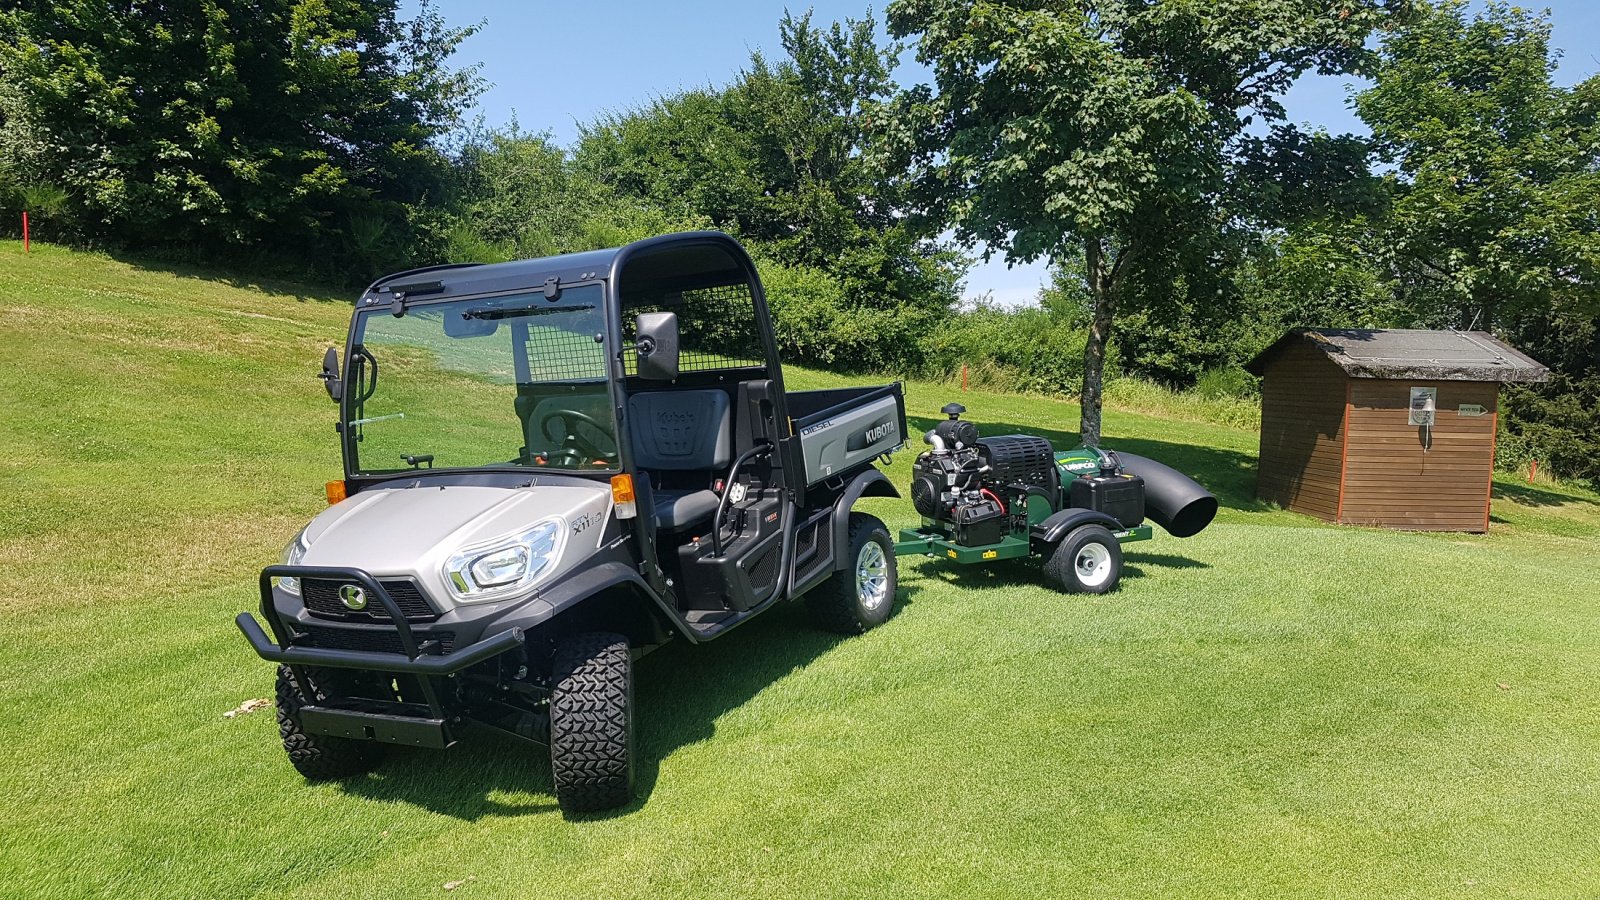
x=557, y=64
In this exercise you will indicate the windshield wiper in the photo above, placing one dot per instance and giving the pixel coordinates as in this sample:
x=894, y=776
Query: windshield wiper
x=508, y=312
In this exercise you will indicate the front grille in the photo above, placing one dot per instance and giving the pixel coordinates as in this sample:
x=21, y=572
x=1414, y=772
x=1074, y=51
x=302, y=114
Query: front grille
x=321, y=597
x=372, y=640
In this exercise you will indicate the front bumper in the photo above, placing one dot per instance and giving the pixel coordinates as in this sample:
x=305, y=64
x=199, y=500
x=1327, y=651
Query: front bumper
x=428, y=724
x=415, y=659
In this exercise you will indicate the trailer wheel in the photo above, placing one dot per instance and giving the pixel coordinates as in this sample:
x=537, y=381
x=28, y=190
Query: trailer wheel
x=1087, y=561
x=861, y=595
x=591, y=722
x=318, y=757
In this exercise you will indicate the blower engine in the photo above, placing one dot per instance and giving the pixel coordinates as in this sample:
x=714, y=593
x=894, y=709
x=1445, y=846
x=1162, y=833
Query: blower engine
x=982, y=488
x=1010, y=497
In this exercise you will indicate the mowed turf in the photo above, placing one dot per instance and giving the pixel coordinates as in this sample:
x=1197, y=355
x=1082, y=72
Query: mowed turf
x=1273, y=708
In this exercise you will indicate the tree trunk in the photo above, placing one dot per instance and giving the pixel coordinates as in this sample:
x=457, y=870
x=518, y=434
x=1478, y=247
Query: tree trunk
x=1102, y=293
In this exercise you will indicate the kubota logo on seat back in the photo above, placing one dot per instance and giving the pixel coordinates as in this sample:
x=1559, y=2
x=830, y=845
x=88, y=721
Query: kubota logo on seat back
x=353, y=596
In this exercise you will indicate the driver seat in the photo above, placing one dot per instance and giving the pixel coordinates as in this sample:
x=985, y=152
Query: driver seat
x=683, y=438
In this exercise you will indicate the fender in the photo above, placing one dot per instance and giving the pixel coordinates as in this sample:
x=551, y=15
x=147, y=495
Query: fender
x=576, y=588
x=1059, y=523
x=871, y=483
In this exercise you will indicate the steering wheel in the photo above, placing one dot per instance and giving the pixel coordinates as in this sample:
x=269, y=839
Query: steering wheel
x=575, y=448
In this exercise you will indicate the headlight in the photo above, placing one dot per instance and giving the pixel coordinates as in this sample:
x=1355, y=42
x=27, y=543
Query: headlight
x=292, y=555
x=502, y=567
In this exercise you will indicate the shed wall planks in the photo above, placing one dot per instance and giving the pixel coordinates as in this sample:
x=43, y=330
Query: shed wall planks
x=1302, y=433
x=1391, y=479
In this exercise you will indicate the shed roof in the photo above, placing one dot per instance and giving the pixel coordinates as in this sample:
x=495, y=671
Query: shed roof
x=1412, y=353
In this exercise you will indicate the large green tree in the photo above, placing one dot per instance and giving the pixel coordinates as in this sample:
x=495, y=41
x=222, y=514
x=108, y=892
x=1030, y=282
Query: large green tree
x=776, y=157
x=295, y=127
x=1111, y=130
x=1496, y=213
x=1495, y=221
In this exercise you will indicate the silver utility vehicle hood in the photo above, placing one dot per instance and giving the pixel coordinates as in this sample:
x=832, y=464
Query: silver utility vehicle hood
x=412, y=531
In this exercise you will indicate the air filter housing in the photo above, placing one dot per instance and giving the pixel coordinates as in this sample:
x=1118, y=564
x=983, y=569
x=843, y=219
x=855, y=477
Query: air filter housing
x=1021, y=459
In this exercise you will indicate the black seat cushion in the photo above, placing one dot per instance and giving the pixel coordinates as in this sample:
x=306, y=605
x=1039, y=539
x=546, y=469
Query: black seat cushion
x=677, y=510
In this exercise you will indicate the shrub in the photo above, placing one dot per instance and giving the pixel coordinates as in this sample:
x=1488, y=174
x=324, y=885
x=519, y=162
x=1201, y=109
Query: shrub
x=1028, y=349
x=1229, y=382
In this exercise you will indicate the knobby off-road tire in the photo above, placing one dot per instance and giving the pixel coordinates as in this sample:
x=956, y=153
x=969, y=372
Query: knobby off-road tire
x=1087, y=561
x=316, y=756
x=861, y=595
x=591, y=723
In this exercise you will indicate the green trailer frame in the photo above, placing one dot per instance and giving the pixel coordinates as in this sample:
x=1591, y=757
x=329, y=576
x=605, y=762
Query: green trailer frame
x=932, y=540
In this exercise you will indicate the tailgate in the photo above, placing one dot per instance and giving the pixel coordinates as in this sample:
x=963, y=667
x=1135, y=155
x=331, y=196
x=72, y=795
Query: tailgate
x=844, y=429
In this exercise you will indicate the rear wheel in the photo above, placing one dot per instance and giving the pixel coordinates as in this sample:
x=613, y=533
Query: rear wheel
x=591, y=722
x=317, y=756
x=1087, y=561
x=861, y=595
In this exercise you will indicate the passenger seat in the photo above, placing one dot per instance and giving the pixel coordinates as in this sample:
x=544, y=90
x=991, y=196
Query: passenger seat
x=681, y=432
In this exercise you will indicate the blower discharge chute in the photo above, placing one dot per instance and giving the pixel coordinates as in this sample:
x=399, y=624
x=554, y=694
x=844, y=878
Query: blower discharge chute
x=1013, y=496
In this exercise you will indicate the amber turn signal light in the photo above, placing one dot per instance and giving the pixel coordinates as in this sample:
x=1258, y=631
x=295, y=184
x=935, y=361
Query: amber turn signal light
x=622, y=496
x=336, y=491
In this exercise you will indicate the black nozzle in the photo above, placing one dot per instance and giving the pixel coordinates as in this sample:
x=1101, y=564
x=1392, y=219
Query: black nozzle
x=953, y=410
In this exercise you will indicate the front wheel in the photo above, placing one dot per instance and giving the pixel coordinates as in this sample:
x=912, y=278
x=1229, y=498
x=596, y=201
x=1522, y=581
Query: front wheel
x=1087, y=561
x=591, y=722
x=861, y=595
x=318, y=757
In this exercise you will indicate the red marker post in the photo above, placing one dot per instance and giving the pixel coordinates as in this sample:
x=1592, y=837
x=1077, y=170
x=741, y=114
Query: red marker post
x=24, y=231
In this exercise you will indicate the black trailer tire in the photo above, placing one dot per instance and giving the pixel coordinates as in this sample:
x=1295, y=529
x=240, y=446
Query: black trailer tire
x=591, y=722
x=1087, y=561
x=318, y=757
x=861, y=595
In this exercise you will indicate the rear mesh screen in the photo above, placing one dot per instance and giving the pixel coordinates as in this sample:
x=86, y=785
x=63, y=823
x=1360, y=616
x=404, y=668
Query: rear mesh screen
x=716, y=328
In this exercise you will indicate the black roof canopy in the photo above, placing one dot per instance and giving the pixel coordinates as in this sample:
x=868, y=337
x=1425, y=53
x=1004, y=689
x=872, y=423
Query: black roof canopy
x=1415, y=353
x=670, y=262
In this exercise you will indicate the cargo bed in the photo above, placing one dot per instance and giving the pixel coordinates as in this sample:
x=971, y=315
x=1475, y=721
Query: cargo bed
x=843, y=429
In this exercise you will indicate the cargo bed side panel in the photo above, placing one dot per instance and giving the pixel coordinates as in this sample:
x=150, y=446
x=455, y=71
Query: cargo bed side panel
x=849, y=436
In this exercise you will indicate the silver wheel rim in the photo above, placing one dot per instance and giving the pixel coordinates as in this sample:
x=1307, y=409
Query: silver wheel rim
x=872, y=576
x=1093, y=564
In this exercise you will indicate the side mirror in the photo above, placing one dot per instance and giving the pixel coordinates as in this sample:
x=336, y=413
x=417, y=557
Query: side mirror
x=330, y=375
x=657, y=345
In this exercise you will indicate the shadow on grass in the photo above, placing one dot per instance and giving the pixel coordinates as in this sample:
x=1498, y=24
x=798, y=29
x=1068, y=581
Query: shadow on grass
x=1164, y=560
x=252, y=277
x=1229, y=474
x=680, y=691
x=1029, y=573
x=1532, y=496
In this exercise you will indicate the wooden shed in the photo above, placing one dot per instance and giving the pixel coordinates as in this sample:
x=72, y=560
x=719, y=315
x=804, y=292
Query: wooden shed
x=1384, y=427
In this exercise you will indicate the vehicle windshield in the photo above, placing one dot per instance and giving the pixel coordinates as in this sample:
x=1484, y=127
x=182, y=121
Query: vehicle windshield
x=514, y=380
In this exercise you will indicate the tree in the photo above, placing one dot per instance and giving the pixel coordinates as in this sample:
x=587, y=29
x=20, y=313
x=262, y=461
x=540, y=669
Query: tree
x=1110, y=129
x=1495, y=221
x=776, y=157
x=234, y=127
x=1497, y=186
x=522, y=196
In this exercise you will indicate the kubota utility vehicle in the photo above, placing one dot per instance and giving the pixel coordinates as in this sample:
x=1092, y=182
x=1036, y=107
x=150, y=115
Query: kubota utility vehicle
x=551, y=467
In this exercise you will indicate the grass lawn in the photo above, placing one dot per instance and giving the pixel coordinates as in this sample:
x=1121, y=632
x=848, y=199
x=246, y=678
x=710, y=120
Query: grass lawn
x=1273, y=708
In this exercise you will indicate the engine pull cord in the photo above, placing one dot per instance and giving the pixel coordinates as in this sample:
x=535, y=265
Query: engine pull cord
x=996, y=498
